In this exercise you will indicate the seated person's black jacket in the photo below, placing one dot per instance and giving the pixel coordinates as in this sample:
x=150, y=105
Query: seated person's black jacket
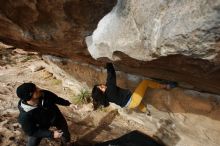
x=113, y=93
x=36, y=122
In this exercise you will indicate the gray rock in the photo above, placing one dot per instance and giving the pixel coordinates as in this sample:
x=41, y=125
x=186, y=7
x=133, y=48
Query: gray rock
x=147, y=29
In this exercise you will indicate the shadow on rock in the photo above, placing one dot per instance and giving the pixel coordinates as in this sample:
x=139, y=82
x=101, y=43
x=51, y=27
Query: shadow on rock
x=103, y=125
x=134, y=138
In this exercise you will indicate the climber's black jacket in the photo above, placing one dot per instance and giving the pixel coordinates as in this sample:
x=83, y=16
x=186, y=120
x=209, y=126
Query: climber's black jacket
x=35, y=121
x=113, y=93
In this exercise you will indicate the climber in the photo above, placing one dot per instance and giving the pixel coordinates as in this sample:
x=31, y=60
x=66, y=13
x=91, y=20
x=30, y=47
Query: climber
x=102, y=94
x=39, y=112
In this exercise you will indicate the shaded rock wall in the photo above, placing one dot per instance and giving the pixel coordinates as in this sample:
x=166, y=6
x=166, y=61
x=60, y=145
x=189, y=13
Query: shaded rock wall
x=56, y=27
x=86, y=74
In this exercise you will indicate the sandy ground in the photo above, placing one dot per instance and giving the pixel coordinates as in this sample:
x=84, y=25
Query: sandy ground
x=176, y=121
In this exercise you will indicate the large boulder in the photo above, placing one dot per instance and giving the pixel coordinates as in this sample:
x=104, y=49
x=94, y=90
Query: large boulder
x=181, y=37
x=147, y=30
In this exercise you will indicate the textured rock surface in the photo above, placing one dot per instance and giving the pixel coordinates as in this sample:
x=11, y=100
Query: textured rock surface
x=140, y=29
x=179, y=117
x=56, y=27
x=146, y=29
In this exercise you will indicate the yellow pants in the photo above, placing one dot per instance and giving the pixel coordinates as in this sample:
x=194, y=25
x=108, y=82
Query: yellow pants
x=139, y=92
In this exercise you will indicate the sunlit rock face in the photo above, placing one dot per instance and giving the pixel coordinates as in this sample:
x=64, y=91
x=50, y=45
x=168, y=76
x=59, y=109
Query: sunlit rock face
x=147, y=30
x=169, y=39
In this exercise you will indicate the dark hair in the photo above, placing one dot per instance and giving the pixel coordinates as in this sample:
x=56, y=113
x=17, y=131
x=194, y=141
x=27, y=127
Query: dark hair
x=98, y=98
x=26, y=91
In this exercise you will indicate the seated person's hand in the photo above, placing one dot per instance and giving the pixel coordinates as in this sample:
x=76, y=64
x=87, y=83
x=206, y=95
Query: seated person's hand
x=73, y=106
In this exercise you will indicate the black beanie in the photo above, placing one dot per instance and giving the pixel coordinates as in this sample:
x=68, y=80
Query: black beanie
x=25, y=91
